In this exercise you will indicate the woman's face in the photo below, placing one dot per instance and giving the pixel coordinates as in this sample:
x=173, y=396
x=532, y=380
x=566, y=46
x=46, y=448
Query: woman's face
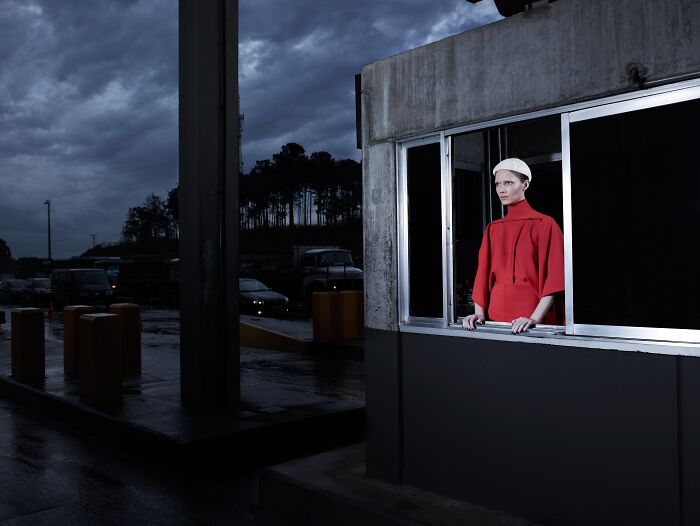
x=509, y=187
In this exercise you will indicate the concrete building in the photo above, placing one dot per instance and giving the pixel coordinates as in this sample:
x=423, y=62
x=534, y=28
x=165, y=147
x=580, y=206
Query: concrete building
x=594, y=421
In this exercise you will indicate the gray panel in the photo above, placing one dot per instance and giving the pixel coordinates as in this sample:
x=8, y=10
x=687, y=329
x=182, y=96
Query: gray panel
x=690, y=438
x=383, y=398
x=557, y=435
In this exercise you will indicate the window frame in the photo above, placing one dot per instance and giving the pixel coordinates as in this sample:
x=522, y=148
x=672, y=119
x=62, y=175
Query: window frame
x=614, y=331
x=602, y=336
x=402, y=229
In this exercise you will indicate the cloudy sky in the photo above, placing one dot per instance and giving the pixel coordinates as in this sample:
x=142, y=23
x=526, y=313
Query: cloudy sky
x=88, y=97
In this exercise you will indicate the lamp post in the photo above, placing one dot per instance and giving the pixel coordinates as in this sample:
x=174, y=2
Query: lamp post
x=48, y=204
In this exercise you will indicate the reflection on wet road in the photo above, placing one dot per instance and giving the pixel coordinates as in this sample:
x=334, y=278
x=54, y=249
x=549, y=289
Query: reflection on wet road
x=53, y=476
x=325, y=374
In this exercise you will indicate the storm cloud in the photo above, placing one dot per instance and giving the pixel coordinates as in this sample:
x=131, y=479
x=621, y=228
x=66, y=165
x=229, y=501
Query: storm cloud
x=88, y=97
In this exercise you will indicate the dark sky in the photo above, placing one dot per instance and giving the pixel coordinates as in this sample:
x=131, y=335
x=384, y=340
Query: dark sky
x=88, y=97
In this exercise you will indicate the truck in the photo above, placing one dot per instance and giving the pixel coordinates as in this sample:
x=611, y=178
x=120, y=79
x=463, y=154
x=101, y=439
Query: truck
x=326, y=269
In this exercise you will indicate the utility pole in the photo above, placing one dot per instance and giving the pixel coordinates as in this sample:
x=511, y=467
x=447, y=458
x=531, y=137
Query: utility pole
x=48, y=204
x=93, y=239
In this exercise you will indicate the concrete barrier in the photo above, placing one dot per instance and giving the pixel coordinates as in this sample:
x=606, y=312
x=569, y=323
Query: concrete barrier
x=71, y=314
x=130, y=329
x=28, y=352
x=255, y=336
x=99, y=350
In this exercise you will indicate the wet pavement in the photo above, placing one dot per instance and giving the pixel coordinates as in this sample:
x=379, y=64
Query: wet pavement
x=50, y=475
x=302, y=395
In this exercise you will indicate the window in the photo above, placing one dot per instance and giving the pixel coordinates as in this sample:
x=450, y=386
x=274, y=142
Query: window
x=423, y=205
x=635, y=211
x=619, y=176
x=474, y=201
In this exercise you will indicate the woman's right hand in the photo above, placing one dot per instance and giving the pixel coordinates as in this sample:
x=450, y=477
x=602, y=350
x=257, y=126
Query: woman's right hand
x=470, y=322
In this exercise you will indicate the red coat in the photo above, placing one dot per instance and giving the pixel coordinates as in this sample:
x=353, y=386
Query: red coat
x=521, y=260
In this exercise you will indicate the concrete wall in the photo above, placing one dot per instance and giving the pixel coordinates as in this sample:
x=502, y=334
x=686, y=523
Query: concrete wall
x=568, y=51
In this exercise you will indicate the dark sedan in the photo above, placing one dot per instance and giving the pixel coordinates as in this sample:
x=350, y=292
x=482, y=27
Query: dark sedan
x=36, y=292
x=256, y=298
x=11, y=291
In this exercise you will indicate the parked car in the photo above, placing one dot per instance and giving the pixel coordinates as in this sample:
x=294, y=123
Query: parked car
x=11, y=291
x=256, y=298
x=329, y=269
x=82, y=286
x=36, y=292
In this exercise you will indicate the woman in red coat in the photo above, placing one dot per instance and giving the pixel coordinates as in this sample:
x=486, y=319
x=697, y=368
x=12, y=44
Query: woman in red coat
x=521, y=259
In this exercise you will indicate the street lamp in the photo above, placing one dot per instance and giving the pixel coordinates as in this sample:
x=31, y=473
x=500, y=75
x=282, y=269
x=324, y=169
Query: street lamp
x=48, y=204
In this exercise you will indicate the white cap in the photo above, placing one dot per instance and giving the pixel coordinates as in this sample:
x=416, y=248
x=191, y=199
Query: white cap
x=514, y=165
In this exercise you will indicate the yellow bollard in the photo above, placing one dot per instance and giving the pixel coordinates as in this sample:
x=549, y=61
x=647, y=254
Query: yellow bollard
x=130, y=329
x=352, y=315
x=71, y=360
x=325, y=312
x=99, y=349
x=27, y=349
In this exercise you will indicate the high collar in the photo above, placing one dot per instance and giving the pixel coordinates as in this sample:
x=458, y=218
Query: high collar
x=519, y=210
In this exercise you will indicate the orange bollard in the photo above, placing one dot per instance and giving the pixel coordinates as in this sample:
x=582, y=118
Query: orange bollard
x=99, y=350
x=352, y=315
x=71, y=361
x=325, y=313
x=27, y=349
x=130, y=329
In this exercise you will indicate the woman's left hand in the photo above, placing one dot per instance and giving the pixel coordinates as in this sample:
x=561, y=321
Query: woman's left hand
x=522, y=324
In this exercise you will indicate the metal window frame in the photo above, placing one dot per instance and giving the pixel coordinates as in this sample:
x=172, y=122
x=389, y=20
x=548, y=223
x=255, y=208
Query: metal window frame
x=616, y=331
x=610, y=105
x=402, y=229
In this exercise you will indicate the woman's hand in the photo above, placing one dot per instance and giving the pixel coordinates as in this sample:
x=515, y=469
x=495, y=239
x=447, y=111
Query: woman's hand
x=470, y=322
x=521, y=324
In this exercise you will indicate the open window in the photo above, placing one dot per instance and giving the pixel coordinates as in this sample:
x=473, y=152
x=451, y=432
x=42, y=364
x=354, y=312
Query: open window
x=635, y=212
x=473, y=197
x=620, y=177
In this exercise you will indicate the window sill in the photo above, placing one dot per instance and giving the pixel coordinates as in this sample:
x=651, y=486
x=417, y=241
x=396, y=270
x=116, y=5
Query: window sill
x=553, y=335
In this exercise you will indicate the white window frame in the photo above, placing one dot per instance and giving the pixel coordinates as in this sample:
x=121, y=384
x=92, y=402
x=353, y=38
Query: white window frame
x=657, y=340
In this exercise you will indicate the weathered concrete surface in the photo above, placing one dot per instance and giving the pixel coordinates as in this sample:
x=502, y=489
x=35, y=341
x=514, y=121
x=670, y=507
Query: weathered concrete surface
x=379, y=211
x=568, y=51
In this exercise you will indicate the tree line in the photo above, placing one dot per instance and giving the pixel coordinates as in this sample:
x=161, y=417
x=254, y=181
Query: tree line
x=292, y=189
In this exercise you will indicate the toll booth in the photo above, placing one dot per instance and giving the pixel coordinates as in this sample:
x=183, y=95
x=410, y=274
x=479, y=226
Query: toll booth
x=594, y=421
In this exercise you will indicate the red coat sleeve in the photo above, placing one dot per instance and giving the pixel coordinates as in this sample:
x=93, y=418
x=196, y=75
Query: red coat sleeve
x=551, y=259
x=482, y=287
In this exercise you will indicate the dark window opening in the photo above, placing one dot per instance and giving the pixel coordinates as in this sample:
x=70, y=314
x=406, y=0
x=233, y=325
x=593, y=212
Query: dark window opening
x=424, y=231
x=635, y=210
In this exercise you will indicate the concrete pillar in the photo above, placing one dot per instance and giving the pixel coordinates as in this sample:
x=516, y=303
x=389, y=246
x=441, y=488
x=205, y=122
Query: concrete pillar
x=209, y=168
x=130, y=332
x=70, y=336
x=100, y=358
x=28, y=358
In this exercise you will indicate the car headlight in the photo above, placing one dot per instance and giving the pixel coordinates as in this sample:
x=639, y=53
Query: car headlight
x=258, y=302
